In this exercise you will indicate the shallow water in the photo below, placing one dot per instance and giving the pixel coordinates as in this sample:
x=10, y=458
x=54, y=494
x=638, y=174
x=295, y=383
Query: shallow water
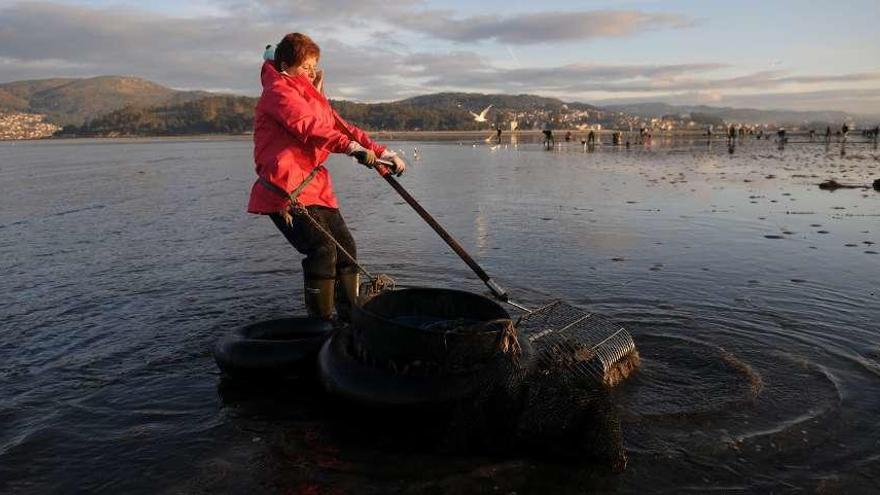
x=752, y=296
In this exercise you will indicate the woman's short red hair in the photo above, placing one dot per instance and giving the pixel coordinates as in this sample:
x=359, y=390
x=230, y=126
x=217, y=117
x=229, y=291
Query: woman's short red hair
x=293, y=49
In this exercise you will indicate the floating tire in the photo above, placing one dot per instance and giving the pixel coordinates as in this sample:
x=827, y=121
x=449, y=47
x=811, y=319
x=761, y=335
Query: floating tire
x=272, y=348
x=346, y=377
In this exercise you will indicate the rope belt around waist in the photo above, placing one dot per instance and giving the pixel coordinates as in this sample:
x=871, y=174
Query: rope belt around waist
x=295, y=193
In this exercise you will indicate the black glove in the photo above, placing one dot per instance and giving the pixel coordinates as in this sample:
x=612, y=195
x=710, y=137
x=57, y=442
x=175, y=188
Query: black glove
x=365, y=157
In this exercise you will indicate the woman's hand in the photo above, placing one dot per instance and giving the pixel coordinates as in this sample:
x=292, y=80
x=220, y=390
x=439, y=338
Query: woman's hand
x=398, y=165
x=318, y=81
x=364, y=156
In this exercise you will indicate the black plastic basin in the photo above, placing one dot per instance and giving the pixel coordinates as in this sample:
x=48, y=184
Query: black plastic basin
x=430, y=325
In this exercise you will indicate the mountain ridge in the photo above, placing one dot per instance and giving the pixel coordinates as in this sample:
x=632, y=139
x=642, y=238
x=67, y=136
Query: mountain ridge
x=66, y=101
x=91, y=106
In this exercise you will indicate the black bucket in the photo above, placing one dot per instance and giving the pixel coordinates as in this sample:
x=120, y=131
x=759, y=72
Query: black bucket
x=441, y=326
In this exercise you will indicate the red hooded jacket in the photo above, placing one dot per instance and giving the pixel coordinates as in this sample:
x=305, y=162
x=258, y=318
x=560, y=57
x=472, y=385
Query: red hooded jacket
x=294, y=132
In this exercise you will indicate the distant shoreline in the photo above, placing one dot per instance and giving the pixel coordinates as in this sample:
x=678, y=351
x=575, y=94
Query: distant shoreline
x=386, y=135
x=439, y=136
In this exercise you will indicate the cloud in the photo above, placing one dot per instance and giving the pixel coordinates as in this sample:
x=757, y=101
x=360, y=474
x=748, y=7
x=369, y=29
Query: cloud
x=41, y=30
x=414, y=16
x=864, y=102
x=39, y=40
x=122, y=39
x=763, y=80
x=319, y=9
x=475, y=72
x=42, y=39
x=826, y=78
x=48, y=39
x=543, y=27
x=467, y=70
x=678, y=83
x=856, y=101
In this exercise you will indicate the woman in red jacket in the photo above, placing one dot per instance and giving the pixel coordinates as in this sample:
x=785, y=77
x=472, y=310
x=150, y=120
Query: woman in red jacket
x=295, y=130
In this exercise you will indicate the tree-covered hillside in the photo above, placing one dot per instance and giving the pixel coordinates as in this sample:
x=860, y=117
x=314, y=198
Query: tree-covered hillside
x=129, y=106
x=211, y=115
x=74, y=101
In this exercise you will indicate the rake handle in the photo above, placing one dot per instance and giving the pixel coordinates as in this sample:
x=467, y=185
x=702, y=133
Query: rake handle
x=496, y=289
x=383, y=170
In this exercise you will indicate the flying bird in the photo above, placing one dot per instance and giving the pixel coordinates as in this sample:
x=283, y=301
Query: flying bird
x=482, y=116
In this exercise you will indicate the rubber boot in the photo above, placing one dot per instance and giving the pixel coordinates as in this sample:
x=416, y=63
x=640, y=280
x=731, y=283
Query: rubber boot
x=348, y=289
x=319, y=298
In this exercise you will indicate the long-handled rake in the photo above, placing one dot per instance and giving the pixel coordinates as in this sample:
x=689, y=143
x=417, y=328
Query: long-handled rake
x=563, y=336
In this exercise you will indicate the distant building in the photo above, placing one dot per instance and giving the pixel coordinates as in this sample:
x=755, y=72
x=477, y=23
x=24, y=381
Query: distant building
x=16, y=125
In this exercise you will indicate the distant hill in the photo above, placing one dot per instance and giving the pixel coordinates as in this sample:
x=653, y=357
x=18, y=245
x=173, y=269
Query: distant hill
x=9, y=102
x=218, y=114
x=452, y=111
x=234, y=114
x=443, y=111
x=396, y=116
x=129, y=106
x=73, y=101
x=734, y=115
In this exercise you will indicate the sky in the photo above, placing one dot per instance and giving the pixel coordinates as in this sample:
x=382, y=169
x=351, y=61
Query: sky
x=799, y=55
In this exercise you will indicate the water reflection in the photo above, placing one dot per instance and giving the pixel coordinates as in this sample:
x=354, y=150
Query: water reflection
x=481, y=232
x=749, y=290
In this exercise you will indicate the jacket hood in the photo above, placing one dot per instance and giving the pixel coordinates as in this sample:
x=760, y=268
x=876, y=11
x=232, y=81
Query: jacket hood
x=268, y=74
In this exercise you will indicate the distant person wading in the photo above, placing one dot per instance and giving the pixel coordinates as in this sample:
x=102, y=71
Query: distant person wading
x=295, y=130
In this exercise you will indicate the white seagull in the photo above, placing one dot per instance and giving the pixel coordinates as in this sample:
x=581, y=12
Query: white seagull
x=482, y=116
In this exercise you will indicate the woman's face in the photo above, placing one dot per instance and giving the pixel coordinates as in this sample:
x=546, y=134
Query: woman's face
x=308, y=68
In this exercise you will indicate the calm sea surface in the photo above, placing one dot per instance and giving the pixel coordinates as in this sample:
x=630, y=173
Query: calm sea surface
x=752, y=295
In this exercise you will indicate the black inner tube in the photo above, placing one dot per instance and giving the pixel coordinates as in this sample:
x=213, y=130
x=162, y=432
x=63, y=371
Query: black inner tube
x=273, y=348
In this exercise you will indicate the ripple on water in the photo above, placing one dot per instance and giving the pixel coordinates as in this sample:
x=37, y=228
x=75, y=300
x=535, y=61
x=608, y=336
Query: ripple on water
x=106, y=355
x=736, y=398
x=681, y=377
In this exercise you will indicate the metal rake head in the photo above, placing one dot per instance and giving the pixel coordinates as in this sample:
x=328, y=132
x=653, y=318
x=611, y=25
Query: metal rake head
x=583, y=344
